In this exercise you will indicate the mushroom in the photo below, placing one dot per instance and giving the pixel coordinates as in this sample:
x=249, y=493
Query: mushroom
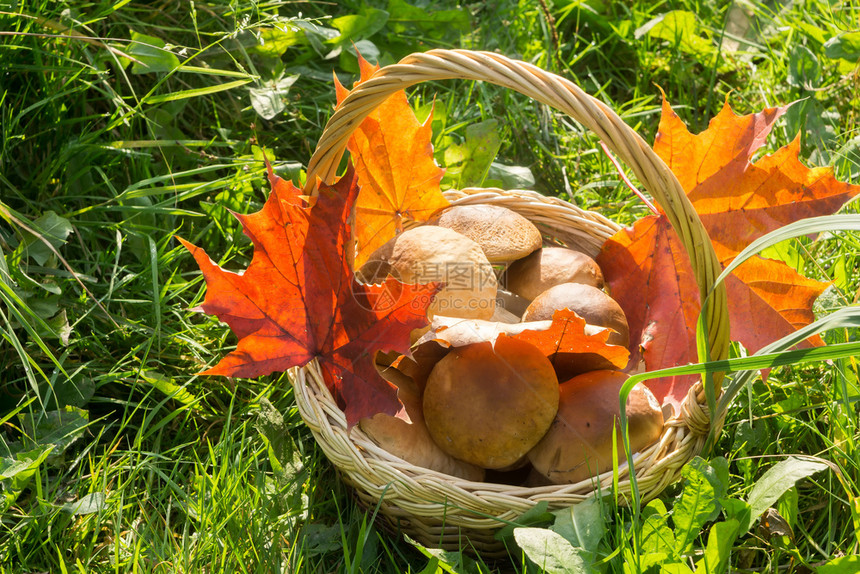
x=578, y=445
x=504, y=235
x=590, y=303
x=431, y=253
x=411, y=441
x=420, y=363
x=530, y=276
x=489, y=404
x=447, y=332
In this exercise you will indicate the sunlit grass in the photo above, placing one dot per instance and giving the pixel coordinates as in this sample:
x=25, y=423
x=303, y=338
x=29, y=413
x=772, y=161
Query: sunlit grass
x=162, y=470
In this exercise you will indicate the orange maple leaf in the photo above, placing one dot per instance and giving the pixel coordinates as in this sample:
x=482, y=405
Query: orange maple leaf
x=649, y=273
x=570, y=345
x=573, y=351
x=393, y=156
x=298, y=300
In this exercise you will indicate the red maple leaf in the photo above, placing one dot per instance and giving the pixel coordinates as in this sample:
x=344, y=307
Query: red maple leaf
x=648, y=271
x=298, y=300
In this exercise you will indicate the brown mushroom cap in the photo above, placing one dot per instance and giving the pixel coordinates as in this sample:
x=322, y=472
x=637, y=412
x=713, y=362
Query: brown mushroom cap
x=444, y=333
x=412, y=442
x=504, y=235
x=430, y=253
x=490, y=404
x=578, y=445
x=590, y=303
x=530, y=276
x=447, y=332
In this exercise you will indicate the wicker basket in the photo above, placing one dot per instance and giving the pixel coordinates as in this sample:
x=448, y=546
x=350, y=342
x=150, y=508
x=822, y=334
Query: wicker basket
x=445, y=512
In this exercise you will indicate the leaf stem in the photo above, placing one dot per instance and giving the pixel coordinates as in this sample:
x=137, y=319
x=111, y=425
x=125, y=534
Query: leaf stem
x=627, y=181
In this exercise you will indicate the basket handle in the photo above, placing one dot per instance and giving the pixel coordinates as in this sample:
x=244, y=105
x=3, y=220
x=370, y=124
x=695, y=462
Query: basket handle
x=564, y=96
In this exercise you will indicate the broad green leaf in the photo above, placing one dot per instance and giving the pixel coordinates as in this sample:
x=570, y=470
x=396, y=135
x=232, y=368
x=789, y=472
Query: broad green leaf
x=275, y=41
x=151, y=53
x=51, y=227
x=550, y=551
x=22, y=462
x=582, y=524
x=89, y=504
x=696, y=505
x=842, y=276
x=17, y=470
x=812, y=31
x=75, y=391
x=316, y=35
x=804, y=69
x=59, y=428
x=847, y=156
x=432, y=566
x=735, y=509
x=842, y=565
x=721, y=539
x=469, y=162
x=58, y=328
x=511, y=176
x=405, y=18
x=44, y=307
x=681, y=29
x=778, y=479
x=787, y=252
x=818, y=125
x=319, y=538
x=657, y=539
x=845, y=46
x=448, y=561
x=360, y=26
x=537, y=515
x=716, y=472
x=275, y=433
x=647, y=560
x=268, y=100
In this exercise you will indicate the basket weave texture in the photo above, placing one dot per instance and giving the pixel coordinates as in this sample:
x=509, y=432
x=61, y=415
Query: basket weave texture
x=445, y=512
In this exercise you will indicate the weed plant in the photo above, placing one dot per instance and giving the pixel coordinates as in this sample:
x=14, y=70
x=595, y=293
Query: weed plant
x=125, y=123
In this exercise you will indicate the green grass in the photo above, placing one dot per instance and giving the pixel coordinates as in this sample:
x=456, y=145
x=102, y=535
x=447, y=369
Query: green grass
x=120, y=458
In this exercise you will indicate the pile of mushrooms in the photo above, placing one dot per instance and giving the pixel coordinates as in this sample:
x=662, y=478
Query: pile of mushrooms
x=486, y=406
